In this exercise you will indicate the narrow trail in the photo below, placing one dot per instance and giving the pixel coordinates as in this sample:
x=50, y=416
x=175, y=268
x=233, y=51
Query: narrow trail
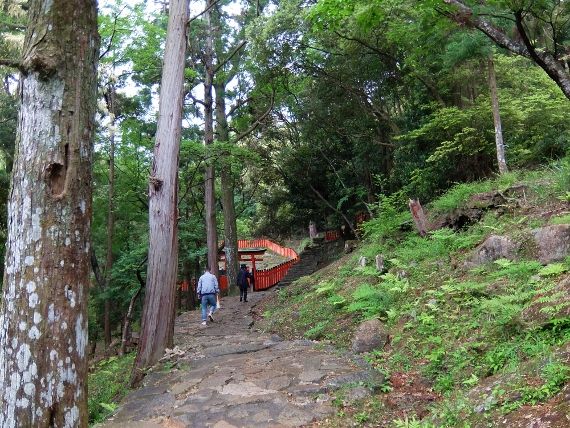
x=228, y=374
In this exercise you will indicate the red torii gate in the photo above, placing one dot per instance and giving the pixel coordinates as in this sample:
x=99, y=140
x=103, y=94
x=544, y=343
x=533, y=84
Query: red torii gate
x=250, y=255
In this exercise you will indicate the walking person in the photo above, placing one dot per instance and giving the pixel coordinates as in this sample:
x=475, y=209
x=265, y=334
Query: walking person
x=208, y=290
x=250, y=278
x=243, y=282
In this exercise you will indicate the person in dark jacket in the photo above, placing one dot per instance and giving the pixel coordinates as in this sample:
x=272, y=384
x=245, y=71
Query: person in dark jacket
x=243, y=280
x=207, y=291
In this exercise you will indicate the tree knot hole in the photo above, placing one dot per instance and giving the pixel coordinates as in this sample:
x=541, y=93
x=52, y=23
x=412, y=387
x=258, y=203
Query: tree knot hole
x=156, y=183
x=55, y=176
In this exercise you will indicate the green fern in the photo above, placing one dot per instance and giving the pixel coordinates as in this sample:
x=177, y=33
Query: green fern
x=553, y=269
x=371, y=300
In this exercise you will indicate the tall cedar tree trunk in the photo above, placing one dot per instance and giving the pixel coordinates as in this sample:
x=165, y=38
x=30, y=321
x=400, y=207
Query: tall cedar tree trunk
x=497, y=118
x=43, y=323
x=230, y=226
x=157, y=327
x=110, y=215
x=209, y=191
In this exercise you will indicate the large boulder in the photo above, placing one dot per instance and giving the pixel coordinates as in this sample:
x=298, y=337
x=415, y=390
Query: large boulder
x=494, y=248
x=553, y=242
x=370, y=335
x=549, y=305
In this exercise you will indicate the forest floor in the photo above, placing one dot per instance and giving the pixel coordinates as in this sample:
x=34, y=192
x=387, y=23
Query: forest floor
x=228, y=374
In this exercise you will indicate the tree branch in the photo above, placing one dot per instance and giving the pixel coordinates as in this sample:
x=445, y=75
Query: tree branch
x=203, y=12
x=238, y=105
x=194, y=99
x=230, y=56
x=368, y=46
x=546, y=60
x=112, y=34
x=328, y=204
x=466, y=16
x=10, y=63
x=257, y=122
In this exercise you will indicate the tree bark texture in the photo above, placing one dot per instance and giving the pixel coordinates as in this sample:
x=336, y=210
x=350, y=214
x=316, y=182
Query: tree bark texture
x=157, y=327
x=209, y=191
x=419, y=216
x=43, y=321
x=501, y=160
x=230, y=226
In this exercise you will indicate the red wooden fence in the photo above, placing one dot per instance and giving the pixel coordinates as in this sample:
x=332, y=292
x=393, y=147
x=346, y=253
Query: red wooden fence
x=332, y=235
x=266, y=278
x=270, y=245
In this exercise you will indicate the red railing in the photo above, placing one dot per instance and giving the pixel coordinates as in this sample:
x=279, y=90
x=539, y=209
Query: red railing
x=266, y=278
x=332, y=235
x=270, y=245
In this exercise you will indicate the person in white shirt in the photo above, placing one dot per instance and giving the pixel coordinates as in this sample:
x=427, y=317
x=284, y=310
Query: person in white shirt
x=208, y=290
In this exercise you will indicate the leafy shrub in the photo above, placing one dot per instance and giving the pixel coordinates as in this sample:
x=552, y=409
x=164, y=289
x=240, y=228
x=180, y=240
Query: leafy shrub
x=317, y=331
x=499, y=357
x=108, y=384
x=371, y=300
x=515, y=271
x=553, y=269
x=388, y=219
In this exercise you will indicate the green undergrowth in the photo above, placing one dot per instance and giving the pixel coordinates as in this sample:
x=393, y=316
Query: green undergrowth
x=457, y=326
x=108, y=383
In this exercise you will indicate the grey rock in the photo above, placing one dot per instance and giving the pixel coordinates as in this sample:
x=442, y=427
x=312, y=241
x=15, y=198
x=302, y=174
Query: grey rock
x=370, y=335
x=355, y=394
x=553, y=242
x=380, y=263
x=494, y=248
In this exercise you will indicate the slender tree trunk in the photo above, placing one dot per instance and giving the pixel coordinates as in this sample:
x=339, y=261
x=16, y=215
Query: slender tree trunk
x=188, y=279
x=157, y=327
x=497, y=118
x=43, y=323
x=110, y=216
x=209, y=193
x=230, y=226
x=128, y=319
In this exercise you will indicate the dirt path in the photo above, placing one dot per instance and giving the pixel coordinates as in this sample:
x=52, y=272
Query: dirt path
x=228, y=374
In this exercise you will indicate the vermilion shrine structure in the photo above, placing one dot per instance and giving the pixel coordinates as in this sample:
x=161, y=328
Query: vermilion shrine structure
x=252, y=251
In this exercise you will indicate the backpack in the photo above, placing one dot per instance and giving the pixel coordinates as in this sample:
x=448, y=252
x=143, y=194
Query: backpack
x=242, y=278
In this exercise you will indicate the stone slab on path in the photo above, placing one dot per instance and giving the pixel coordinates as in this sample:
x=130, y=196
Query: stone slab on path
x=231, y=375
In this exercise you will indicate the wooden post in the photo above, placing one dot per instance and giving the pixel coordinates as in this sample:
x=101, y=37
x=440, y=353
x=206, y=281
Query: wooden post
x=419, y=216
x=312, y=229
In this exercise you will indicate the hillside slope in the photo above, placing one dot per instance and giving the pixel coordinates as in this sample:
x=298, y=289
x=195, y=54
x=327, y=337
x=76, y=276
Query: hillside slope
x=477, y=314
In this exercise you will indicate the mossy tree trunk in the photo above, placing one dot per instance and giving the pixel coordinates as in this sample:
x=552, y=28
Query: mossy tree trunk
x=43, y=322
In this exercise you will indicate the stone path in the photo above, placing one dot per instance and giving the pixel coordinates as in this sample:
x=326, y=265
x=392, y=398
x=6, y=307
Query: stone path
x=228, y=374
